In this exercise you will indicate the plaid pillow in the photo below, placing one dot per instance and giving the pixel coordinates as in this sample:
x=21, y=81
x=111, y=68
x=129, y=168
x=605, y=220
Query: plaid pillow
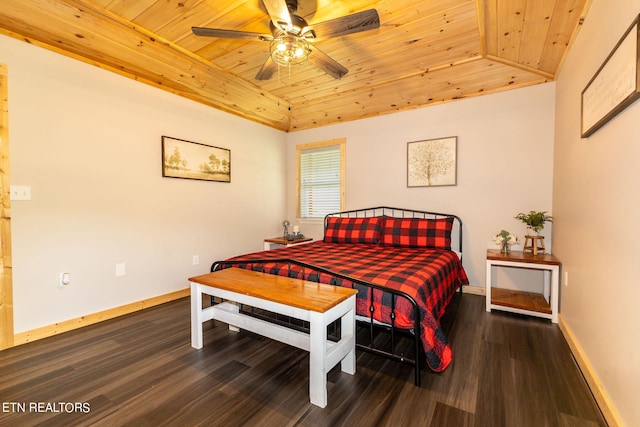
x=352, y=230
x=417, y=232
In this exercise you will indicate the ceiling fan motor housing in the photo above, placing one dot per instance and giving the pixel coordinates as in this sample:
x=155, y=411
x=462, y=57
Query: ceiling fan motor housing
x=297, y=25
x=292, y=5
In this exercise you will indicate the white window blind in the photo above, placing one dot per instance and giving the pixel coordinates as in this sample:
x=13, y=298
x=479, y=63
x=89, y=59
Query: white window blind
x=320, y=181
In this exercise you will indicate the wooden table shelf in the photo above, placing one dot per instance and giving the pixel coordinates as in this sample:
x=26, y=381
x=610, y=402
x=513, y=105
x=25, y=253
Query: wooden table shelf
x=534, y=304
x=519, y=299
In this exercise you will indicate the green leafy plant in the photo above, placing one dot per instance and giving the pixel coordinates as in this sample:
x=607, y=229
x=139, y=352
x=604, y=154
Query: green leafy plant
x=534, y=220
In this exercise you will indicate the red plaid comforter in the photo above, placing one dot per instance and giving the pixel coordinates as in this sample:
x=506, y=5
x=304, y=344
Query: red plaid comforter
x=429, y=276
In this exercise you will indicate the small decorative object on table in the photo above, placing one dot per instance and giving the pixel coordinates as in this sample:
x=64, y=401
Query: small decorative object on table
x=295, y=236
x=533, y=241
x=505, y=240
x=290, y=235
x=285, y=225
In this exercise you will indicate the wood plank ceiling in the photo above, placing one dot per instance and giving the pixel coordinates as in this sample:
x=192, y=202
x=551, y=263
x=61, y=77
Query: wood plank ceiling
x=425, y=51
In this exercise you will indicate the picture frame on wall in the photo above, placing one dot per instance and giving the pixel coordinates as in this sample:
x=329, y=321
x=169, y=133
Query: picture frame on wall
x=614, y=86
x=432, y=162
x=193, y=160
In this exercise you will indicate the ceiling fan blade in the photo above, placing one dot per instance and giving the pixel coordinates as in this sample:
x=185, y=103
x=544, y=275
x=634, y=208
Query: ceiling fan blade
x=279, y=13
x=230, y=34
x=326, y=63
x=349, y=24
x=267, y=70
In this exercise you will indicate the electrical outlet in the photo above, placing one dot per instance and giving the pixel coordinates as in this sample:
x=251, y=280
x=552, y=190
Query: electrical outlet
x=196, y=259
x=64, y=279
x=120, y=269
x=566, y=279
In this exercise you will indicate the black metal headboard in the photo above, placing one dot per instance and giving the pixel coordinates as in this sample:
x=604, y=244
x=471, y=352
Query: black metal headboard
x=456, y=232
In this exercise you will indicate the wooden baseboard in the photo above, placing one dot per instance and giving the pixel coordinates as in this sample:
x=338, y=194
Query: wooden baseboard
x=90, y=319
x=474, y=290
x=599, y=393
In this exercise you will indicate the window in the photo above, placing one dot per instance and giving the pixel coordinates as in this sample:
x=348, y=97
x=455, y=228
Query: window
x=320, y=178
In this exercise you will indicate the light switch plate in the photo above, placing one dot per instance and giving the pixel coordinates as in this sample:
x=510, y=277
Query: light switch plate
x=20, y=192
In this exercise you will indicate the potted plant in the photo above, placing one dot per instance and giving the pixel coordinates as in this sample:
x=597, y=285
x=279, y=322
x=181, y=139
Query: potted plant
x=534, y=220
x=505, y=240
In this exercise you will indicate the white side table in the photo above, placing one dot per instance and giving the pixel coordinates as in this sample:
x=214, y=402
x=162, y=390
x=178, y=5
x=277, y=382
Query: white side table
x=543, y=305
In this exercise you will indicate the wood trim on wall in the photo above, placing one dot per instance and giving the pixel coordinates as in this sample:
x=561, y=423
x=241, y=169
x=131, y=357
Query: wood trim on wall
x=6, y=287
x=599, y=393
x=79, y=322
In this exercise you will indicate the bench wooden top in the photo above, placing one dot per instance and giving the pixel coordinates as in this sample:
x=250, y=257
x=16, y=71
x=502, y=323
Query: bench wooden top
x=285, y=290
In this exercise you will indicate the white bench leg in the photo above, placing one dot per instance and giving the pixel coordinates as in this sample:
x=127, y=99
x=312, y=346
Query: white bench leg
x=234, y=308
x=196, y=315
x=317, y=360
x=348, y=327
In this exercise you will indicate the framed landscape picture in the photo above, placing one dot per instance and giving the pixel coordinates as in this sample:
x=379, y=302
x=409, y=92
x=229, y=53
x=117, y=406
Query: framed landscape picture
x=432, y=162
x=192, y=160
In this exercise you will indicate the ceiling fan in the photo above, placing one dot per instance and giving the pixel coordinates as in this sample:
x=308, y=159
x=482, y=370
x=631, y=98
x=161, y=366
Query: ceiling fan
x=291, y=36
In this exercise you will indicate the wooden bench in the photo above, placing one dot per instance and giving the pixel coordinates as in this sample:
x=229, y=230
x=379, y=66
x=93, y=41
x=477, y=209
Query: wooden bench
x=315, y=303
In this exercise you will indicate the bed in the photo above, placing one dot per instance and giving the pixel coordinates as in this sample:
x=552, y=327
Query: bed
x=406, y=265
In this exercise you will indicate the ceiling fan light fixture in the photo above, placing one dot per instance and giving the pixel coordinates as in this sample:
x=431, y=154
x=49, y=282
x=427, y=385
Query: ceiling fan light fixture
x=291, y=34
x=287, y=50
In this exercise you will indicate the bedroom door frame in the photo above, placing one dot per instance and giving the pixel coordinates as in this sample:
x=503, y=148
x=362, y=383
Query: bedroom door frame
x=6, y=276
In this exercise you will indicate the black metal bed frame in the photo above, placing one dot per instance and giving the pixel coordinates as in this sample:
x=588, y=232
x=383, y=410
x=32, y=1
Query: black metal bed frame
x=372, y=325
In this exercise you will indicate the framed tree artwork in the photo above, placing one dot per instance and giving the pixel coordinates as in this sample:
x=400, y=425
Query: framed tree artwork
x=432, y=162
x=192, y=160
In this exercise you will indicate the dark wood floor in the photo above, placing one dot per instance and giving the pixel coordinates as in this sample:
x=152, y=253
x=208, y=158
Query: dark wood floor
x=141, y=370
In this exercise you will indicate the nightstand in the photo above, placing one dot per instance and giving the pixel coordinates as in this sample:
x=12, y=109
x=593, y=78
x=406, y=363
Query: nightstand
x=280, y=242
x=543, y=305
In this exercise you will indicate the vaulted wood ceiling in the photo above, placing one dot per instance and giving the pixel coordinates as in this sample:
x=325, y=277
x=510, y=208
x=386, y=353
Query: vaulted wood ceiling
x=425, y=51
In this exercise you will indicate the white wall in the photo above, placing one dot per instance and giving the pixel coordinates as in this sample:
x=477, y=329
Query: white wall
x=505, y=164
x=595, y=203
x=87, y=141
